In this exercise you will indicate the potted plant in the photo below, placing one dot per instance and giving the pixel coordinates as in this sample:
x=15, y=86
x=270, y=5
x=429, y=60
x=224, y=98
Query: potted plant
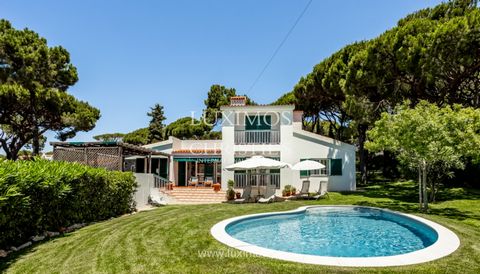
x=287, y=189
x=230, y=191
x=293, y=191
x=238, y=195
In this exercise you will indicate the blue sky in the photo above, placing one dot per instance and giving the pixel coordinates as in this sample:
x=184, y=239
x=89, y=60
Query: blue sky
x=133, y=54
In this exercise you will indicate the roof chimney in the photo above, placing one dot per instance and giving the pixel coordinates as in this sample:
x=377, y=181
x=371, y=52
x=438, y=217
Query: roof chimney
x=236, y=101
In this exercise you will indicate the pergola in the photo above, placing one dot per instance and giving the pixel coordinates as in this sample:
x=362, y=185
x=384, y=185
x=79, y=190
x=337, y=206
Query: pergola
x=109, y=155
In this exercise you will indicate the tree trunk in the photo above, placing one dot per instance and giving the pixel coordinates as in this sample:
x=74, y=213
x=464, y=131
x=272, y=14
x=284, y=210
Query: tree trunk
x=11, y=151
x=318, y=123
x=432, y=194
x=362, y=153
x=424, y=186
x=36, y=143
x=420, y=201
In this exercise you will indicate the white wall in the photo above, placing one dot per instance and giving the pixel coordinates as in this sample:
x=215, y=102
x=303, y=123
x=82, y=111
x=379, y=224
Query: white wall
x=295, y=145
x=228, y=143
x=144, y=183
x=305, y=145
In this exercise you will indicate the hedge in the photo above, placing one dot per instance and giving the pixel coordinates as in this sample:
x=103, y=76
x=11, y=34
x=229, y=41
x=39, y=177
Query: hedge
x=38, y=196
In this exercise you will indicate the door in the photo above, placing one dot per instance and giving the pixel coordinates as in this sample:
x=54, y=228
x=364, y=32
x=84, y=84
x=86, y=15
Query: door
x=181, y=173
x=209, y=170
x=140, y=165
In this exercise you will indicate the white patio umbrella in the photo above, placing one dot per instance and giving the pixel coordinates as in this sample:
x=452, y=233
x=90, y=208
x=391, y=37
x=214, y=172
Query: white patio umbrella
x=308, y=165
x=256, y=163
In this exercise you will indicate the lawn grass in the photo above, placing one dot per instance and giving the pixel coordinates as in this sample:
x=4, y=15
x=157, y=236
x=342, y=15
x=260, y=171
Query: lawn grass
x=169, y=239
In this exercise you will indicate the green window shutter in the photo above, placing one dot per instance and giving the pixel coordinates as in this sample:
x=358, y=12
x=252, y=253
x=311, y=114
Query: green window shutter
x=336, y=167
x=251, y=122
x=258, y=122
x=265, y=122
x=304, y=173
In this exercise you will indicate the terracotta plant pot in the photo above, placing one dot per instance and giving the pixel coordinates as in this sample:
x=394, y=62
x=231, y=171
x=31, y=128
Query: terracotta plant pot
x=216, y=187
x=238, y=195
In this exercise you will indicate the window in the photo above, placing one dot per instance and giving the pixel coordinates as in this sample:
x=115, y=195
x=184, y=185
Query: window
x=258, y=122
x=317, y=172
x=320, y=172
x=333, y=167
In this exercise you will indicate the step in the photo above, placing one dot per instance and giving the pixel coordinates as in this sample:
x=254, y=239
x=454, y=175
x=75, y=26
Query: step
x=195, y=195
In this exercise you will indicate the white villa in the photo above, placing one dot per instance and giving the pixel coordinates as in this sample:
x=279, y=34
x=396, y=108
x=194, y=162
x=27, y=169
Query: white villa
x=247, y=130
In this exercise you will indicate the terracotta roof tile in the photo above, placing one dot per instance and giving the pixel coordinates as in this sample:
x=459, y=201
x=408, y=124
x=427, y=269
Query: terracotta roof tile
x=197, y=151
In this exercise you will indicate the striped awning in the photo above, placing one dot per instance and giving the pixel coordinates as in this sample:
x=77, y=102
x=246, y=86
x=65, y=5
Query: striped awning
x=198, y=159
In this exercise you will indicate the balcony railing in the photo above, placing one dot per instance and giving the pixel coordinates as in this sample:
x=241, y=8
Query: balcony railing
x=256, y=179
x=249, y=137
x=159, y=182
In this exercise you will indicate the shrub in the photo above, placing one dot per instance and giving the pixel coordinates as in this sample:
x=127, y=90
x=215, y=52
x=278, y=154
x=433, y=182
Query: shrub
x=40, y=195
x=230, y=190
x=287, y=190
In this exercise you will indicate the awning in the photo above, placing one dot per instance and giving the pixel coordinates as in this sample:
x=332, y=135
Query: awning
x=198, y=159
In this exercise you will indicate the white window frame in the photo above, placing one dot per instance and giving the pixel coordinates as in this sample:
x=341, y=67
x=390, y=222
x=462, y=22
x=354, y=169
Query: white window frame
x=324, y=172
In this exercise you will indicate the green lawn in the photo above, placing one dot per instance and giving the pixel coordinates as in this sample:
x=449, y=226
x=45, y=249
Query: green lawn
x=169, y=239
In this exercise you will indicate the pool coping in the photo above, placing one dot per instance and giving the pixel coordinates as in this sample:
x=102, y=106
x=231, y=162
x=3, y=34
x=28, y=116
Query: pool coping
x=446, y=244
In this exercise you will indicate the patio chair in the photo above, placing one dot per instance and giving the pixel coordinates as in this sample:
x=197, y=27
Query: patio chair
x=245, y=195
x=208, y=181
x=304, y=191
x=269, y=195
x=193, y=181
x=322, y=190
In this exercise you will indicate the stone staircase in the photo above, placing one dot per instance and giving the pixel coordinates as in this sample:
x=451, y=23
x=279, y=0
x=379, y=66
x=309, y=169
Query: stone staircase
x=186, y=195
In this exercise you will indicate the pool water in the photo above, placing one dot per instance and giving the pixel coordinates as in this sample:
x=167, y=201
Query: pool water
x=336, y=231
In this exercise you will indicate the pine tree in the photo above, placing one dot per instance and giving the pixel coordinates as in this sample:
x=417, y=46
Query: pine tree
x=156, y=125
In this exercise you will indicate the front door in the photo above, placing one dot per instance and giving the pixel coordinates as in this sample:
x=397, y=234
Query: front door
x=181, y=173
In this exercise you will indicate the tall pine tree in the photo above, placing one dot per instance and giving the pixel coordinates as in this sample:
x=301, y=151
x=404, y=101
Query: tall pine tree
x=156, y=125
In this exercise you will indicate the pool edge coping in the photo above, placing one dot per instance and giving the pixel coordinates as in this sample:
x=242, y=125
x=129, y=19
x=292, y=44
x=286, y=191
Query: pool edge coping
x=446, y=244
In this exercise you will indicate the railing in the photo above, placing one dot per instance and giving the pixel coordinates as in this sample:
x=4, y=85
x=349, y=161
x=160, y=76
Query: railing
x=247, y=137
x=159, y=182
x=256, y=179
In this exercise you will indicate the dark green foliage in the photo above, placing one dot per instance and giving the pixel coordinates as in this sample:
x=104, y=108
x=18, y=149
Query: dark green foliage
x=156, y=125
x=212, y=135
x=219, y=96
x=34, y=79
x=188, y=128
x=109, y=137
x=38, y=196
x=286, y=99
x=432, y=55
x=137, y=137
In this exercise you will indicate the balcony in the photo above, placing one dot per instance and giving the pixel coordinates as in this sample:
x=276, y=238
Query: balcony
x=257, y=137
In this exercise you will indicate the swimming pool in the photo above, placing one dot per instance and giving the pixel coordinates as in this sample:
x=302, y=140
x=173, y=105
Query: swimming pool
x=339, y=235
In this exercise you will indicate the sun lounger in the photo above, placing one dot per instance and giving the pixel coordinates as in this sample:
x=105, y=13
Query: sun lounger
x=322, y=190
x=269, y=195
x=304, y=191
x=245, y=195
